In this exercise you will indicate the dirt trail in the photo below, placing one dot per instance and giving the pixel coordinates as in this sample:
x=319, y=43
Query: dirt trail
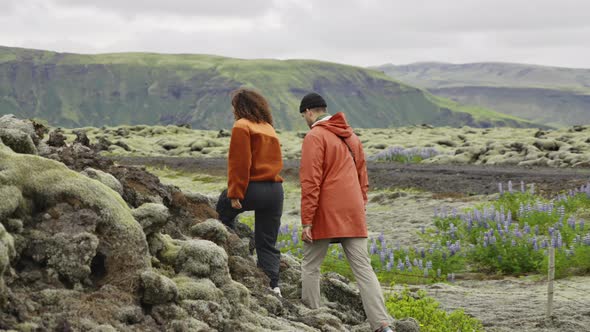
x=468, y=180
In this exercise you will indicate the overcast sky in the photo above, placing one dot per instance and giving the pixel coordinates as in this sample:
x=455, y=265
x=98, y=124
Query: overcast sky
x=358, y=32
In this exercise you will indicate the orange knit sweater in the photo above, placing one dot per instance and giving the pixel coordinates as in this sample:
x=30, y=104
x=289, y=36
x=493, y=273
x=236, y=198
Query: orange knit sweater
x=254, y=156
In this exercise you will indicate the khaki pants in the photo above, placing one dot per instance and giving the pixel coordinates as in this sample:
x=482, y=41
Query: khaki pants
x=358, y=258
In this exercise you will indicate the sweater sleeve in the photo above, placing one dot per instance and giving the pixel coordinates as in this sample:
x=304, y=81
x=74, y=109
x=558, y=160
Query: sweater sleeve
x=239, y=163
x=311, y=174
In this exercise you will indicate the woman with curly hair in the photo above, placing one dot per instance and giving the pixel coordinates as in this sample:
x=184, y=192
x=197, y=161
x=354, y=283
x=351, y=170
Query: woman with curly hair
x=254, y=163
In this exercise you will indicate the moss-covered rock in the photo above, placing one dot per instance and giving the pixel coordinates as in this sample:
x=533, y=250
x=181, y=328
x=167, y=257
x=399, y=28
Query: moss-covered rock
x=197, y=289
x=18, y=141
x=157, y=289
x=7, y=252
x=71, y=256
x=13, y=225
x=338, y=289
x=44, y=183
x=188, y=325
x=212, y=230
x=237, y=292
x=104, y=178
x=212, y=313
x=164, y=247
x=151, y=216
x=10, y=199
x=203, y=259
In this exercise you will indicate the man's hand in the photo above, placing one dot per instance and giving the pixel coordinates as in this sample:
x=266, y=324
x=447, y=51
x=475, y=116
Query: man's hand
x=235, y=203
x=306, y=235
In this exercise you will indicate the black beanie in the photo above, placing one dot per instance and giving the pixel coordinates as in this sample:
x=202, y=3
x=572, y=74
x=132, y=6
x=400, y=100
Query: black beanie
x=311, y=100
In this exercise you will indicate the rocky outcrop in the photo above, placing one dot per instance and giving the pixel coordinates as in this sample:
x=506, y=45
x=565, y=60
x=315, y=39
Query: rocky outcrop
x=77, y=255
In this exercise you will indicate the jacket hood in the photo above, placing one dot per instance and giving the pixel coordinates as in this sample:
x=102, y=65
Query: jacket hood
x=337, y=124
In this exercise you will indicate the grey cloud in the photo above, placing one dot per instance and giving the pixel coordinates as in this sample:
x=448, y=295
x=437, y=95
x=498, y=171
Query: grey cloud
x=361, y=32
x=216, y=8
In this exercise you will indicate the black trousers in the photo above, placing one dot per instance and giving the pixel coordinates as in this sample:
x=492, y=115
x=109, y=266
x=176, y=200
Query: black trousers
x=266, y=200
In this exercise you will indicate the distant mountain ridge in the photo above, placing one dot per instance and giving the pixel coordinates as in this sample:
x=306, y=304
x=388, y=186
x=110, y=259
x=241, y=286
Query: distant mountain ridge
x=553, y=96
x=74, y=90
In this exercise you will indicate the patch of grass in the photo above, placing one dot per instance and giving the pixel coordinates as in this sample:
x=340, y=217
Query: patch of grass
x=428, y=313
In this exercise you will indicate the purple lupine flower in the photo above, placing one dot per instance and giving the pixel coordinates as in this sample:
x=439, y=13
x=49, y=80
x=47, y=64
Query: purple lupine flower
x=536, y=229
x=571, y=221
x=381, y=238
x=521, y=210
x=415, y=262
x=422, y=229
x=535, y=244
x=382, y=256
x=400, y=265
x=500, y=190
x=340, y=255
x=388, y=266
x=527, y=228
x=510, y=187
x=532, y=188
x=422, y=253
x=408, y=263
x=581, y=224
x=513, y=243
x=373, y=249
x=586, y=239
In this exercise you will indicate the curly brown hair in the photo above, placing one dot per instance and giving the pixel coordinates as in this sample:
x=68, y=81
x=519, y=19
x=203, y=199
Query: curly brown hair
x=251, y=105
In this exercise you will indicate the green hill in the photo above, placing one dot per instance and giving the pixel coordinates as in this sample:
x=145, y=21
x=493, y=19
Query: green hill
x=73, y=90
x=550, y=95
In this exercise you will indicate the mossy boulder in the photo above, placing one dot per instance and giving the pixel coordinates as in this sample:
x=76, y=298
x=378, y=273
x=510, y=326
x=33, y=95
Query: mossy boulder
x=237, y=292
x=337, y=289
x=188, y=325
x=212, y=230
x=70, y=255
x=157, y=289
x=164, y=248
x=212, y=313
x=18, y=141
x=7, y=252
x=104, y=178
x=203, y=259
x=197, y=289
x=151, y=216
x=28, y=181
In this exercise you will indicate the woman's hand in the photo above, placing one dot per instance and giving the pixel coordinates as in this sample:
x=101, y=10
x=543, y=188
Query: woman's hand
x=235, y=203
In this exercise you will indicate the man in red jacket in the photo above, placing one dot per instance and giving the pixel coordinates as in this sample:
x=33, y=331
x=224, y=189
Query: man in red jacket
x=334, y=187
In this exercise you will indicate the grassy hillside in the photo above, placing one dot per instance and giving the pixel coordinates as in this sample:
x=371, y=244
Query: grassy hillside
x=549, y=95
x=73, y=90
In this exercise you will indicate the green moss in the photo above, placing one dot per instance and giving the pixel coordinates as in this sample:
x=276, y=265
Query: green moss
x=10, y=199
x=47, y=182
x=197, y=289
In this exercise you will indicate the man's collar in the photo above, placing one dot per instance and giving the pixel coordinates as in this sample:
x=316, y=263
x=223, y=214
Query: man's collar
x=321, y=118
